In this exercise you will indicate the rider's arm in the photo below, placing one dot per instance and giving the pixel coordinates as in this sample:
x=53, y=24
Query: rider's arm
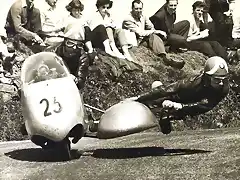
x=159, y=92
x=198, y=108
x=171, y=91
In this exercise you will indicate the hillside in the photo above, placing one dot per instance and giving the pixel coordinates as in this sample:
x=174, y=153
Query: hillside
x=109, y=83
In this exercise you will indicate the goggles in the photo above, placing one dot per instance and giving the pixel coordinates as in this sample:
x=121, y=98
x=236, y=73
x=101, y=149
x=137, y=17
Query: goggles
x=72, y=44
x=218, y=80
x=106, y=6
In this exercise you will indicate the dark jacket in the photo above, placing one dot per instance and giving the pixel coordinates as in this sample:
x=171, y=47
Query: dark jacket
x=196, y=96
x=218, y=5
x=23, y=21
x=78, y=64
x=162, y=20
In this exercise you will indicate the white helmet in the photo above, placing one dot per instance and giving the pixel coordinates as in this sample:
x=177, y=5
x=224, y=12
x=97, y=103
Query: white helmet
x=216, y=66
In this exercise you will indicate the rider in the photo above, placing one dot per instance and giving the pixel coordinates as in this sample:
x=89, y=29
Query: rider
x=192, y=96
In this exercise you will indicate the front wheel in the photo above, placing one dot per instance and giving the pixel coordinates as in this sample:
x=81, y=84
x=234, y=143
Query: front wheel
x=62, y=150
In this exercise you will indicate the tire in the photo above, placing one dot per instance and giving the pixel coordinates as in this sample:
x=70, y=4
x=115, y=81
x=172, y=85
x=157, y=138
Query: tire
x=63, y=150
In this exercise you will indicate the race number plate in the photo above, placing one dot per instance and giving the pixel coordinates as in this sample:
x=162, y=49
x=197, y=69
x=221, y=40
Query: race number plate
x=52, y=102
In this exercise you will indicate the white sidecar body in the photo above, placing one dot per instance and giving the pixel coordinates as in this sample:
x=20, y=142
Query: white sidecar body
x=51, y=107
x=124, y=118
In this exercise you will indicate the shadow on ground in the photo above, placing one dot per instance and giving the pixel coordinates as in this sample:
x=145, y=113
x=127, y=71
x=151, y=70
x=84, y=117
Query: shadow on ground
x=124, y=153
x=39, y=155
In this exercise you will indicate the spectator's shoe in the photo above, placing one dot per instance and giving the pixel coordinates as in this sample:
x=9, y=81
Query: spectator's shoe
x=8, y=63
x=182, y=50
x=176, y=63
x=92, y=56
x=178, y=50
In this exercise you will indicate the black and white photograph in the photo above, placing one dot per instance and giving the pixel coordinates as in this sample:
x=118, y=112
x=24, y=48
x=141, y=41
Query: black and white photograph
x=119, y=89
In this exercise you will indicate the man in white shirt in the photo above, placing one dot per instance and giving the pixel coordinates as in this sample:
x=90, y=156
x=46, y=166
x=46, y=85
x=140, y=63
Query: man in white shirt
x=52, y=23
x=146, y=34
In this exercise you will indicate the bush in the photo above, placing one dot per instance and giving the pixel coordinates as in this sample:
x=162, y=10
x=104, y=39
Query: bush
x=10, y=120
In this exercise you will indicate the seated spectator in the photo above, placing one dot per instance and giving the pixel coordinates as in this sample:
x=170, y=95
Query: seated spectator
x=146, y=34
x=103, y=18
x=198, y=34
x=52, y=24
x=6, y=58
x=73, y=54
x=75, y=7
x=222, y=25
x=24, y=21
x=164, y=20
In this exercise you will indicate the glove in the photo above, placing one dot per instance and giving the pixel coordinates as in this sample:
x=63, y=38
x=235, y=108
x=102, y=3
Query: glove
x=170, y=104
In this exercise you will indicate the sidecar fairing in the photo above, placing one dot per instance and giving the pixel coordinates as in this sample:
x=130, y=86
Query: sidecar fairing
x=124, y=118
x=52, y=108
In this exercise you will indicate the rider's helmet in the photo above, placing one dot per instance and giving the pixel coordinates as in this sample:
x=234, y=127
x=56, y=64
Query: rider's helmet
x=216, y=66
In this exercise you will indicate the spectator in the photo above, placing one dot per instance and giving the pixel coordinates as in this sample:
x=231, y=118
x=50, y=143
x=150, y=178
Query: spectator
x=198, y=34
x=75, y=7
x=103, y=17
x=222, y=25
x=146, y=34
x=52, y=24
x=3, y=47
x=24, y=20
x=164, y=20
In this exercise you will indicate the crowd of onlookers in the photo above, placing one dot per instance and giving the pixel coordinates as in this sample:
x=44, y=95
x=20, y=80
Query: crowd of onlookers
x=75, y=37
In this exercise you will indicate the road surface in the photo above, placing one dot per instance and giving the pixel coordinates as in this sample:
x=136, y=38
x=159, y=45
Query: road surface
x=209, y=154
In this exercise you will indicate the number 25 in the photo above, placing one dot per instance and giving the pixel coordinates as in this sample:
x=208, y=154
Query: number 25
x=48, y=113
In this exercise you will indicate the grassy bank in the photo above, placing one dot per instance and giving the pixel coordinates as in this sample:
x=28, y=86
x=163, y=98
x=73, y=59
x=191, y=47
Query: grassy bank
x=107, y=85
